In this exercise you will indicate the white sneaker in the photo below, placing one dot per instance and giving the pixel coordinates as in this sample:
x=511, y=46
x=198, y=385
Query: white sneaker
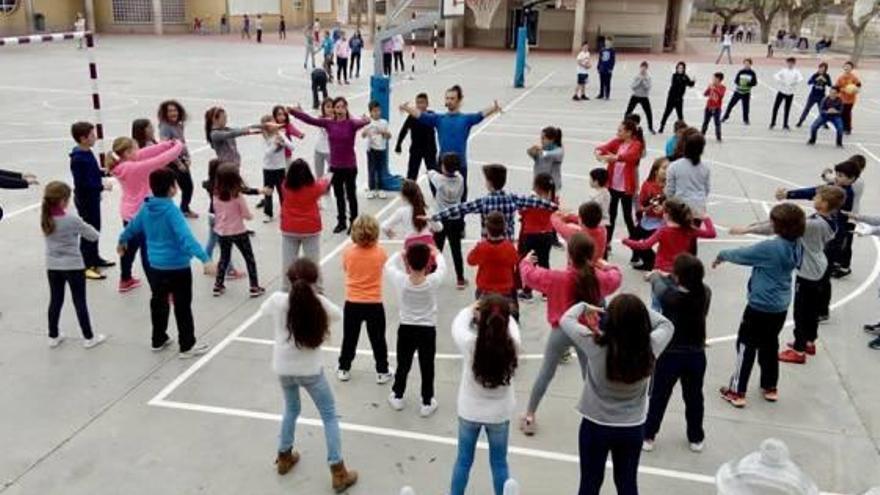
x=343, y=375
x=383, y=378
x=696, y=447
x=164, y=345
x=371, y=194
x=395, y=403
x=267, y=219
x=96, y=340
x=427, y=410
x=382, y=194
x=53, y=343
x=648, y=445
x=197, y=350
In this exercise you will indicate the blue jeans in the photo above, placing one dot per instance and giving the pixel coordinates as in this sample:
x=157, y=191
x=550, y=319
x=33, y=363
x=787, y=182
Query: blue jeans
x=320, y=392
x=468, y=433
x=836, y=120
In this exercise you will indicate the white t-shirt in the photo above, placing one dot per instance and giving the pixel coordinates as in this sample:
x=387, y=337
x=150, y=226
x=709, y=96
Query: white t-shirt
x=475, y=402
x=788, y=80
x=273, y=152
x=259, y=23
x=603, y=197
x=583, y=62
x=418, y=303
x=397, y=43
x=80, y=25
x=322, y=145
x=287, y=358
x=402, y=218
x=727, y=40
x=374, y=131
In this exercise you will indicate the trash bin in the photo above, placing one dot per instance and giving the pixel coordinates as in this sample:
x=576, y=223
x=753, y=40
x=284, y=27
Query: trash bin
x=39, y=22
x=769, y=471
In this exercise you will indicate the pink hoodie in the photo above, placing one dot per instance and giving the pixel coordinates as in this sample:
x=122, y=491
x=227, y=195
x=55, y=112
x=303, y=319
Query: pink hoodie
x=559, y=286
x=134, y=175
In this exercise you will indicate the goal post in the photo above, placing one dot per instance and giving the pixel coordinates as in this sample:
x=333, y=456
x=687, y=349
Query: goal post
x=89, y=38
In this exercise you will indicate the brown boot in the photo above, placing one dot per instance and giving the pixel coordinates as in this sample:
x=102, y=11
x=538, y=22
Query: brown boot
x=286, y=460
x=342, y=478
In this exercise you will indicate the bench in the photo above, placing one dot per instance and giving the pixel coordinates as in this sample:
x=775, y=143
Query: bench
x=633, y=41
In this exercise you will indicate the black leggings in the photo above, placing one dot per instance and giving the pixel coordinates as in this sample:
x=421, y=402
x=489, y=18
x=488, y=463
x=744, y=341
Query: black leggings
x=273, y=179
x=185, y=182
x=643, y=102
x=454, y=231
x=412, y=339
x=353, y=315
x=746, y=98
x=386, y=63
x=415, y=162
x=540, y=243
x=243, y=243
x=341, y=69
x=344, y=188
x=355, y=64
x=676, y=104
x=780, y=99
x=627, y=202
x=136, y=243
x=398, y=62
x=76, y=279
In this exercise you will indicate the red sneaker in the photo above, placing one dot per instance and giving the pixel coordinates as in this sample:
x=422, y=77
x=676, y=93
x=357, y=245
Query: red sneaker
x=811, y=348
x=736, y=400
x=235, y=275
x=792, y=356
x=129, y=285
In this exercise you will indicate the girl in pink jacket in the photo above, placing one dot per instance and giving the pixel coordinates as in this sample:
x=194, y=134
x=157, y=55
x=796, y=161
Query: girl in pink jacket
x=582, y=281
x=132, y=168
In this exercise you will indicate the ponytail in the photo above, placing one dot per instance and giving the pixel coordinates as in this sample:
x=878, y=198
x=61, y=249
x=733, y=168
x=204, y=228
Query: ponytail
x=580, y=253
x=121, y=145
x=307, y=320
x=495, y=359
x=413, y=195
x=54, y=195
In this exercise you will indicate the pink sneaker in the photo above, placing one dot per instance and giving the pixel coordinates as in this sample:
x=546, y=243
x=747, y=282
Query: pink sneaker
x=235, y=275
x=129, y=285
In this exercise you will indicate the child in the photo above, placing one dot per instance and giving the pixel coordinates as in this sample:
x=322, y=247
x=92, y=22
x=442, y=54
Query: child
x=282, y=118
x=588, y=221
x=417, y=295
x=300, y=216
x=536, y=234
x=132, y=168
x=769, y=294
x=143, y=133
x=362, y=263
x=258, y=24
x=319, y=78
x=548, y=155
x=787, y=78
x=422, y=143
x=599, y=192
x=222, y=138
x=322, y=144
x=829, y=111
x=672, y=141
x=681, y=81
x=818, y=82
x=411, y=216
x=64, y=262
x=641, y=89
x=583, y=280
x=88, y=184
x=714, y=99
x=342, y=50
x=676, y=236
x=275, y=146
x=209, y=186
x=171, y=246
x=448, y=187
x=377, y=166
x=650, y=211
x=495, y=258
x=583, y=73
x=497, y=200
x=743, y=82
x=172, y=118
x=488, y=339
x=850, y=85
x=605, y=67
x=230, y=212
x=813, y=283
x=684, y=300
x=301, y=322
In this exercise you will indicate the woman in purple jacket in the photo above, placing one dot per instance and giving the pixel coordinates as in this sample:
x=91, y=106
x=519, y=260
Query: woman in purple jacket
x=341, y=134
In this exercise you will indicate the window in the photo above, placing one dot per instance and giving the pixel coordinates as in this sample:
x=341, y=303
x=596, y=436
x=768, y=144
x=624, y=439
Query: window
x=141, y=11
x=8, y=6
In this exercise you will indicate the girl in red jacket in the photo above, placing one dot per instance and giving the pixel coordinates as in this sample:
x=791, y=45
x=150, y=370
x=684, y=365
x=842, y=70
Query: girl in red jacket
x=676, y=236
x=300, y=215
x=582, y=281
x=622, y=155
x=650, y=211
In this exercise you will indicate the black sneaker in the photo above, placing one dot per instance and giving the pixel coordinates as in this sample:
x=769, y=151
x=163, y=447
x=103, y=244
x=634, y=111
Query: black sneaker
x=585, y=98
x=872, y=329
x=822, y=318
x=875, y=344
x=102, y=263
x=576, y=98
x=786, y=128
x=340, y=227
x=840, y=272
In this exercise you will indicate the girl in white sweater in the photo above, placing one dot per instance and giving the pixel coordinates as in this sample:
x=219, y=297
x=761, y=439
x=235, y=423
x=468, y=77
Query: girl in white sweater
x=296, y=360
x=488, y=339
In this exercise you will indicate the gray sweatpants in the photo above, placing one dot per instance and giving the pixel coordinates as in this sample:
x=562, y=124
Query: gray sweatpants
x=557, y=344
x=290, y=251
x=320, y=163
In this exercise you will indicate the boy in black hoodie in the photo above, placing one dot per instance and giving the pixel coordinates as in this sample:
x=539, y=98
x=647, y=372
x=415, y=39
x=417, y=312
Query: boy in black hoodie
x=88, y=184
x=675, y=98
x=423, y=142
x=743, y=82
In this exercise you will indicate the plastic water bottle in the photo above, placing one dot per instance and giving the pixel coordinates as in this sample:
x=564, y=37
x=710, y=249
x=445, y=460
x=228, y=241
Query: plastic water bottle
x=769, y=471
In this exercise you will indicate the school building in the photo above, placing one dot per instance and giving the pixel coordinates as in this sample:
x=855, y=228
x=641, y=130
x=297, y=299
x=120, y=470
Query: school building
x=653, y=25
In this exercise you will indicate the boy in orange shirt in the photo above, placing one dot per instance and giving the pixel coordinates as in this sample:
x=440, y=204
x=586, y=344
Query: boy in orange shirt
x=363, y=263
x=850, y=85
x=495, y=258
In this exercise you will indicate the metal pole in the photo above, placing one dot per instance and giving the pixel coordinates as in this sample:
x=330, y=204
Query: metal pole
x=412, y=46
x=434, y=38
x=96, y=98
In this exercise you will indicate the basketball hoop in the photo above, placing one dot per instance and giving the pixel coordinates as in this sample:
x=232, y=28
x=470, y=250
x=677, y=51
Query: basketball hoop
x=484, y=11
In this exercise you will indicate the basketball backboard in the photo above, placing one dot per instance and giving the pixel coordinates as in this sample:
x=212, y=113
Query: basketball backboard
x=451, y=8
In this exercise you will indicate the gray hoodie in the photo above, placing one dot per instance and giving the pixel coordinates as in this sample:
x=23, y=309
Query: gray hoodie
x=818, y=233
x=689, y=183
x=641, y=85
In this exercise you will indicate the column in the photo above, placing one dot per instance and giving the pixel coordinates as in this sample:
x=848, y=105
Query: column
x=371, y=19
x=90, y=16
x=579, y=32
x=29, y=15
x=157, y=17
x=454, y=33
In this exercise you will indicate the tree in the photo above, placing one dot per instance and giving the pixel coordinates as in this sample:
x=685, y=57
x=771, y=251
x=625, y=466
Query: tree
x=726, y=9
x=858, y=16
x=799, y=11
x=764, y=11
